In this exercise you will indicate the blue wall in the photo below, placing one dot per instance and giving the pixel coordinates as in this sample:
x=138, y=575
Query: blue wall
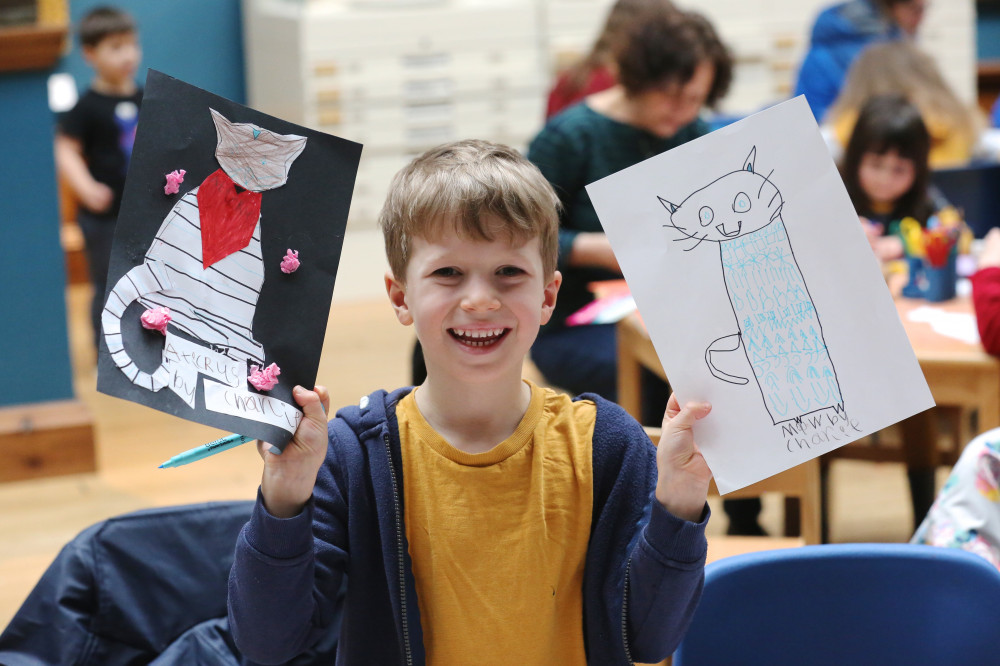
x=198, y=41
x=988, y=32
x=34, y=361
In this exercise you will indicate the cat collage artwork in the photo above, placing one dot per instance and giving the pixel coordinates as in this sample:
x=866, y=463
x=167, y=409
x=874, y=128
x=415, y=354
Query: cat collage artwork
x=224, y=261
x=760, y=293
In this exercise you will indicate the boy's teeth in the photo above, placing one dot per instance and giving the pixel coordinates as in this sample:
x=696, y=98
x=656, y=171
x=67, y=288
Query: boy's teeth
x=478, y=334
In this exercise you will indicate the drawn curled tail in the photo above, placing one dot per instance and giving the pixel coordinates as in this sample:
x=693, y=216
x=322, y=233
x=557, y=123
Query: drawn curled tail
x=727, y=343
x=143, y=279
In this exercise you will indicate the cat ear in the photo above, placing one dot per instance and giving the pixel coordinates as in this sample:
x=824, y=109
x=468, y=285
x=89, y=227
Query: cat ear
x=669, y=206
x=221, y=122
x=748, y=165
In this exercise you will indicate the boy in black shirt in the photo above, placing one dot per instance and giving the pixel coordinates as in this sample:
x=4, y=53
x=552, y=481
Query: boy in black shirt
x=94, y=139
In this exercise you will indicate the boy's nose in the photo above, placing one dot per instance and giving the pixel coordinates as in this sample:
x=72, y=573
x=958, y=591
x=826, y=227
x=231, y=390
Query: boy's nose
x=480, y=296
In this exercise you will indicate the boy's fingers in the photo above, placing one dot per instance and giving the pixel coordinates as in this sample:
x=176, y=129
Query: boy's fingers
x=673, y=406
x=324, y=397
x=686, y=417
x=262, y=448
x=312, y=403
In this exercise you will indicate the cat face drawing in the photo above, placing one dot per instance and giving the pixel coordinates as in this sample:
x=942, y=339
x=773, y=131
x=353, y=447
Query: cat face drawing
x=256, y=159
x=205, y=262
x=734, y=205
x=776, y=323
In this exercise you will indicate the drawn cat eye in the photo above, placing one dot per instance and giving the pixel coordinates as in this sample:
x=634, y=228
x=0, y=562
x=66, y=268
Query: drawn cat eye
x=741, y=203
x=705, y=216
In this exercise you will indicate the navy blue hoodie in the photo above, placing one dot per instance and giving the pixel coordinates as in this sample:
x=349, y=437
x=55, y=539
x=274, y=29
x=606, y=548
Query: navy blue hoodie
x=287, y=572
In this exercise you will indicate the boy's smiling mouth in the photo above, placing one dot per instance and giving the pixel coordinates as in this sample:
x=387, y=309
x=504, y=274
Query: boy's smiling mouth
x=478, y=337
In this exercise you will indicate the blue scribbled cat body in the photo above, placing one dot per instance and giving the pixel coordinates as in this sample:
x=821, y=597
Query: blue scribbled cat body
x=778, y=325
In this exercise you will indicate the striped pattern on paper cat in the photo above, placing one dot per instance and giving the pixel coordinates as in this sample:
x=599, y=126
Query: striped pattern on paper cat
x=215, y=305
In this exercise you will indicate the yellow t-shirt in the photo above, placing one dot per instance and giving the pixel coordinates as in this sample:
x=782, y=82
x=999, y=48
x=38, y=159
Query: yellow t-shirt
x=499, y=539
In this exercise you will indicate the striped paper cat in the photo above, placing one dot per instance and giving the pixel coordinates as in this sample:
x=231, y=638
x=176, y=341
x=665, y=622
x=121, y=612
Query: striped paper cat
x=205, y=263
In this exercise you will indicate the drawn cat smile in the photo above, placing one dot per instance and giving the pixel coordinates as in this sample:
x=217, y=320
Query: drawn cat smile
x=721, y=228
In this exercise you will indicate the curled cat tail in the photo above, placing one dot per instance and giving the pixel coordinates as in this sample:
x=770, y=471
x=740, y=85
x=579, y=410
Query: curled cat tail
x=141, y=280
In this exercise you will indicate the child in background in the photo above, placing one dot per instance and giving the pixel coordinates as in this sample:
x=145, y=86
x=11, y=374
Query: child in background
x=886, y=172
x=94, y=139
x=842, y=31
x=479, y=518
x=966, y=514
x=902, y=68
x=597, y=70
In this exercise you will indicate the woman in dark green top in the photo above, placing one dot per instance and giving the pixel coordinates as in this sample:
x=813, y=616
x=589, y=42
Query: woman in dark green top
x=672, y=65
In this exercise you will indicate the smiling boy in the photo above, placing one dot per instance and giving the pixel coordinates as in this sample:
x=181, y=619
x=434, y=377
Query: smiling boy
x=479, y=518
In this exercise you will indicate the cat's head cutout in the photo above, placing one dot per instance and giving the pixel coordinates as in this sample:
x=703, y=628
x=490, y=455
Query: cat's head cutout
x=256, y=159
x=734, y=205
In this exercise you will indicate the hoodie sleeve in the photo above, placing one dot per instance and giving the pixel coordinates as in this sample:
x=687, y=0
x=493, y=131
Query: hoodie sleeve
x=665, y=580
x=650, y=565
x=277, y=610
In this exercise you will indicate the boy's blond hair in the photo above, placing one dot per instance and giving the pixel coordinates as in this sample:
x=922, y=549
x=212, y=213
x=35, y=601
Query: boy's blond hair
x=462, y=183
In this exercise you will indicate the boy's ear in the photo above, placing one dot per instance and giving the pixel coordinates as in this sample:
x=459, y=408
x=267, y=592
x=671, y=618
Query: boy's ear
x=397, y=296
x=549, y=296
x=88, y=54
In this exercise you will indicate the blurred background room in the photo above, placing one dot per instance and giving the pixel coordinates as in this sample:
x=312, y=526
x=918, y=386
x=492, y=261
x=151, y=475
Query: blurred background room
x=398, y=76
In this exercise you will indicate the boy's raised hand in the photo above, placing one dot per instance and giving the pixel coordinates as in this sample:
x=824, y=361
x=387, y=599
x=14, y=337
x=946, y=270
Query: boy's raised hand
x=288, y=479
x=682, y=483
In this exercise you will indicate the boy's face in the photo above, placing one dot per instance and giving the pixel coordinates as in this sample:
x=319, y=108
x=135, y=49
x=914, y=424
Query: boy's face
x=116, y=57
x=476, y=305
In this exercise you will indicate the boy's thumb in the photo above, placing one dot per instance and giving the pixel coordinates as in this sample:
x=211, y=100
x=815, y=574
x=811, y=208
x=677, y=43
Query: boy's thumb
x=690, y=412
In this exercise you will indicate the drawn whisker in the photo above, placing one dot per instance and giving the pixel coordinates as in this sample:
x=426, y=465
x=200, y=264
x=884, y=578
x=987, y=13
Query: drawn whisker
x=685, y=235
x=700, y=241
x=776, y=194
x=767, y=179
x=777, y=212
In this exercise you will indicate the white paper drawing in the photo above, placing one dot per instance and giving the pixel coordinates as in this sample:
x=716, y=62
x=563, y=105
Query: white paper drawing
x=761, y=294
x=779, y=330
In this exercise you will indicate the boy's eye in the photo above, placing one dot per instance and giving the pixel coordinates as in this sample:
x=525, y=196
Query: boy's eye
x=448, y=271
x=510, y=271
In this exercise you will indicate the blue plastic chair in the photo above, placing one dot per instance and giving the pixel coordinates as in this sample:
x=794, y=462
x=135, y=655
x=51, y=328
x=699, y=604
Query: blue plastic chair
x=847, y=604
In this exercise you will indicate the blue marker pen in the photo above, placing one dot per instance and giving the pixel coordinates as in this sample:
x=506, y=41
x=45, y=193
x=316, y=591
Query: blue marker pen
x=206, y=450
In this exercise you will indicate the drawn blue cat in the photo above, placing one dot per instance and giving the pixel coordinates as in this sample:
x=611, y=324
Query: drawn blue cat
x=777, y=323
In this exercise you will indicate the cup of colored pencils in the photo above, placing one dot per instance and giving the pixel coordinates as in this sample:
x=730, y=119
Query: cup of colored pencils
x=936, y=247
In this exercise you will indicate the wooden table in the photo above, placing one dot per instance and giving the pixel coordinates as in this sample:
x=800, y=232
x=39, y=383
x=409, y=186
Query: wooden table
x=720, y=547
x=958, y=374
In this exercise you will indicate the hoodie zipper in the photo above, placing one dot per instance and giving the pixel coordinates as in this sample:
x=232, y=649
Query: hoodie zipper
x=399, y=553
x=628, y=651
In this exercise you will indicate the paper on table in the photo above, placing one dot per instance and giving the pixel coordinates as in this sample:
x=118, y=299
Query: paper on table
x=761, y=294
x=959, y=325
